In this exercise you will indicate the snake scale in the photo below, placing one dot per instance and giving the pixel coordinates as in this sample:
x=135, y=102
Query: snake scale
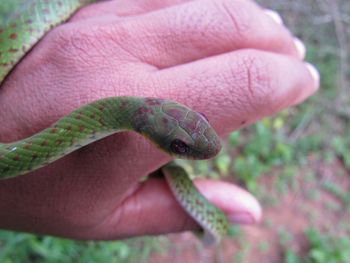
x=174, y=128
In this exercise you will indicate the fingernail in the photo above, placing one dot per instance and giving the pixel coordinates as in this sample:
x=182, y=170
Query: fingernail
x=300, y=47
x=275, y=16
x=241, y=218
x=314, y=73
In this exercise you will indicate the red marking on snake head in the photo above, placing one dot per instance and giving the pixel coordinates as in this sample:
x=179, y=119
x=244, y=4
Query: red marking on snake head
x=144, y=110
x=175, y=113
x=189, y=125
x=152, y=102
x=13, y=36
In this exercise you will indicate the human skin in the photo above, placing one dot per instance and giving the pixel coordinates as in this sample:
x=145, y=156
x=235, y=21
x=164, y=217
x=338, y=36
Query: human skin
x=209, y=55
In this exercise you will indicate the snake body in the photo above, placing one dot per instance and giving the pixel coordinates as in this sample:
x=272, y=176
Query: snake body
x=172, y=127
x=24, y=22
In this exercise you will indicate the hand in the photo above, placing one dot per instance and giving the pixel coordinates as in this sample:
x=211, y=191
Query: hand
x=228, y=59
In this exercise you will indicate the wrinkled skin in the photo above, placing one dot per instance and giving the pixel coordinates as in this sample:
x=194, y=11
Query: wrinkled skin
x=208, y=55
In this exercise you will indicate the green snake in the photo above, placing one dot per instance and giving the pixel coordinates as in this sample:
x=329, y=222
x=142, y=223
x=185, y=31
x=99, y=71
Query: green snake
x=174, y=128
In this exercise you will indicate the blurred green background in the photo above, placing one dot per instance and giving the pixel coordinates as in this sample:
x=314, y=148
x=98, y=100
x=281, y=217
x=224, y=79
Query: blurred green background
x=297, y=164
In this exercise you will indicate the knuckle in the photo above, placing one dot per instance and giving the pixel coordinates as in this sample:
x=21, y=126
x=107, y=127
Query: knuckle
x=238, y=14
x=72, y=43
x=253, y=75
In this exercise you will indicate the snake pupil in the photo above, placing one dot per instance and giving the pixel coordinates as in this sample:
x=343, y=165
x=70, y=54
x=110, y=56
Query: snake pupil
x=179, y=147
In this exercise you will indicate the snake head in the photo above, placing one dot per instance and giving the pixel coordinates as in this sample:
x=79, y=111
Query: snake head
x=176, y=129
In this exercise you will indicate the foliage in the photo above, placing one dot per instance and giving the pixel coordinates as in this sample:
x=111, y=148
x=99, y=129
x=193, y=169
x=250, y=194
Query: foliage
x=326, y=248
x=337, y=191
x=322, y=248
x=267, y=146
x=341, y=146
x=19, y=247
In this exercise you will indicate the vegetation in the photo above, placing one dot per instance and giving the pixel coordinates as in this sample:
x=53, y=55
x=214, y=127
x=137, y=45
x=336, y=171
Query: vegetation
x=18, y=248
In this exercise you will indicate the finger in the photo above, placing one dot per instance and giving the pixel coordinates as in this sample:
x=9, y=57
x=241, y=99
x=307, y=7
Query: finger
x=152, y=209
x=124, y=8
x=198, y=29
x=238, y=88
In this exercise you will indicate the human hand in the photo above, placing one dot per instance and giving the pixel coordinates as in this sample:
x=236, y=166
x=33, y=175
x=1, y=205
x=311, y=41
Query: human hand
x=227, y=59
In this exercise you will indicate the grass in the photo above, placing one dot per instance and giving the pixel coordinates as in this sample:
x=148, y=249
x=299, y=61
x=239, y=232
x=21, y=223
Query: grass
x=338, y=192
x=325, y=248
x=19, y=247
x=322, y=248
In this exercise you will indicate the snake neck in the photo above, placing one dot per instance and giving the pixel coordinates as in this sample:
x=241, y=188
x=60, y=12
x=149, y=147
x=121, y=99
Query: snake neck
x=81, y=127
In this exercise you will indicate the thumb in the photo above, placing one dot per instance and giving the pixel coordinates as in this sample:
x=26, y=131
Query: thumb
x=151, y=209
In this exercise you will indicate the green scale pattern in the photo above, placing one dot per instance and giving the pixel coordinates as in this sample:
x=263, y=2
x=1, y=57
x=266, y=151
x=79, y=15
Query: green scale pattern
x=211, y=218
x=83, y=126
x=23, y=22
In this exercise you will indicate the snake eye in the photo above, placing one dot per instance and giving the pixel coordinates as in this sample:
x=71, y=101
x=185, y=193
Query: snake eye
x=204, y=117
x=179, y=147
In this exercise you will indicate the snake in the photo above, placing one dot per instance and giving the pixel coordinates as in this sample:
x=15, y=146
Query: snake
x=172, y=127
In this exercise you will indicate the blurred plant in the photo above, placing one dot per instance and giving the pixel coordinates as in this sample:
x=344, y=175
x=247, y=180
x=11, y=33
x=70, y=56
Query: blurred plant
x=17, y=247
x=338, y=192
x=341, y=146
x=327, y=248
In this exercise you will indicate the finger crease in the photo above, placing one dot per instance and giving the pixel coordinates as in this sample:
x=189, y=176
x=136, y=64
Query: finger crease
x=232, y=17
